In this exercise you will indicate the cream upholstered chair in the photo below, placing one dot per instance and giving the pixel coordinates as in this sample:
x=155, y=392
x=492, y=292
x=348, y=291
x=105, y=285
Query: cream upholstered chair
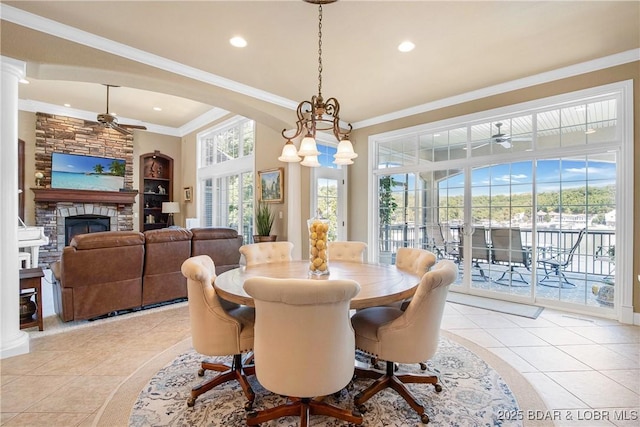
x=304, y=344
x=346, y=251
x=218, y=328
x=408, y=336
x=266, y=252
x=415, y=260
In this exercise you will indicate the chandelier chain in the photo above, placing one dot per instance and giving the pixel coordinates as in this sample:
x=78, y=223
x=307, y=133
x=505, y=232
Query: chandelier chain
x=320, y=50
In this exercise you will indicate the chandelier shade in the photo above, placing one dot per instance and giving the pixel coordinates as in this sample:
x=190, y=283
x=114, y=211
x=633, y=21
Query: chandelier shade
x=310, y=161
x=318, y=115
x=289, y=153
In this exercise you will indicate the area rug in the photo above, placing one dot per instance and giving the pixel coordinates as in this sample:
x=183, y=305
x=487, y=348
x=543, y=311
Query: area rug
x=473, y=394
x=507, y=307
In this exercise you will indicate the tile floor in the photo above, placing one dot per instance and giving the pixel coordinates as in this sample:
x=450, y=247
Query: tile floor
x=587, y=370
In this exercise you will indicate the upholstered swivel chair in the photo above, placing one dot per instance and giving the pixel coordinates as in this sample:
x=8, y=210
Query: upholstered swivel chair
x=304, y=345
x=409, y=336
x=346, y=251
x=418, y=261
x=218, y=328
x=414, y=260
x=266, y=252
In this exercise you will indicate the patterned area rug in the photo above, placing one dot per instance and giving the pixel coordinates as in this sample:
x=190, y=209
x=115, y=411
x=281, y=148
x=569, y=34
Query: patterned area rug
x=473, y=395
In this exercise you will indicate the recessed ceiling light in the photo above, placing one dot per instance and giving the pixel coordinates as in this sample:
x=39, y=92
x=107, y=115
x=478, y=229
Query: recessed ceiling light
x=24, y=81
x=238, y=41
x=157, y=108
x=406, y=46
x=67, y=105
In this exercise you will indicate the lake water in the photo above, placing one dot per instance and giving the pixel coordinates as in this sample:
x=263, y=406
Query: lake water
x=80, y=181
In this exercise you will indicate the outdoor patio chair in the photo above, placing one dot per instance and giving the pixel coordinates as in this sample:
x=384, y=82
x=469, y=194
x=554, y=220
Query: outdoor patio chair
x=479, y=249
x=506, y=247
x=438, y=242
x=558, y=262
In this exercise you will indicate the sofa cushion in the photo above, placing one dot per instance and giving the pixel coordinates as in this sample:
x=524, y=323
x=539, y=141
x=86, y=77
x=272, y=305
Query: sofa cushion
x=211, y=233
x=107, y=239
x=163, y=235
x=165, y=251
x=220, y=243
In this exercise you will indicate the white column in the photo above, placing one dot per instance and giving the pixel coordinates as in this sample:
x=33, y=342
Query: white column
x=294, y=221
x=13, y=341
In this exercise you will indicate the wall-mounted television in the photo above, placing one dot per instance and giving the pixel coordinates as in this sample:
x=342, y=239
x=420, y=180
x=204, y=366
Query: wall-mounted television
x=86, y=172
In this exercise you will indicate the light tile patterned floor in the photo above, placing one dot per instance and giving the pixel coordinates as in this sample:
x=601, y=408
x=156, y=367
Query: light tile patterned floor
x=586, y=369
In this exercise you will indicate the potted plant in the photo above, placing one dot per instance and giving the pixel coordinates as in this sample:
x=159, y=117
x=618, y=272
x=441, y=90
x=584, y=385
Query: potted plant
x=264, y=223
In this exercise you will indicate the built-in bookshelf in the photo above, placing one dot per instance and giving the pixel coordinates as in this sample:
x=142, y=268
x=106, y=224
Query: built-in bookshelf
x=156, y=182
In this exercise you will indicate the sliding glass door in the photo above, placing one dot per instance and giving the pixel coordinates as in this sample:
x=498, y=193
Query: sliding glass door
x=526, y=205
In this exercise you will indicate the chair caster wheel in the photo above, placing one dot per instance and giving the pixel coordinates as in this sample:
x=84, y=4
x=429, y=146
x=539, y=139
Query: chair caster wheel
x=424, y=418
x=201, y=372
x=191, y=401
x=248, y=406
x=396, y=367
x=423, y=366
x=362, y=409
x=438, y=387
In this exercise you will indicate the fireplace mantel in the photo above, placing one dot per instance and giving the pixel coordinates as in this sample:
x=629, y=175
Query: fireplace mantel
x=84, y=196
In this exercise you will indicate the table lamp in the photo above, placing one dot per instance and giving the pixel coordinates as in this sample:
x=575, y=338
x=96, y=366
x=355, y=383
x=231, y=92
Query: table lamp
x=170, y=208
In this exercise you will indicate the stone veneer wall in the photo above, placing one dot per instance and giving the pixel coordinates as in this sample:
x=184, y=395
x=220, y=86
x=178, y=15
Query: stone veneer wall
x=77, y=136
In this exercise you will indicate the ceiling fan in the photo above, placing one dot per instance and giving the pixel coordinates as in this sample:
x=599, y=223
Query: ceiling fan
x=501, y=138
x=111, y=121
x=498, y=138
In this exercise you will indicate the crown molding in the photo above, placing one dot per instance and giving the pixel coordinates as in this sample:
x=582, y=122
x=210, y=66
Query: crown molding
x=54, y=28
x=560, y=73
x=200, y=121
x=75, y=35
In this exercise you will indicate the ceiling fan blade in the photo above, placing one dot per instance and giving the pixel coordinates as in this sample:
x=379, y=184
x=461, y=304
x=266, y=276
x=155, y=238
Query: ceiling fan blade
x=120, y=129
x=133, y=126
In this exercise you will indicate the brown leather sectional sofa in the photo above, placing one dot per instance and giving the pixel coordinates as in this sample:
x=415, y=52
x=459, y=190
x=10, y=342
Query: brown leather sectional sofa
x=101, y=273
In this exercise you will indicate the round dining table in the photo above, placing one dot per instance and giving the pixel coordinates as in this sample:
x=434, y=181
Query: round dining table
x=380, y=284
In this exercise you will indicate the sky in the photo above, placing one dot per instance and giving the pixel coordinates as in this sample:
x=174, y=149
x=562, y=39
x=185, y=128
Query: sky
x=78, y=164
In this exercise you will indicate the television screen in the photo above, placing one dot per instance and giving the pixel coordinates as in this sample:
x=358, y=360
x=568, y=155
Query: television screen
x=86, y=172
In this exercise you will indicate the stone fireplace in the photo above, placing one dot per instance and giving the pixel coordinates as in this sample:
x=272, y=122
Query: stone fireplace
x=53, y=216
x=54, y=205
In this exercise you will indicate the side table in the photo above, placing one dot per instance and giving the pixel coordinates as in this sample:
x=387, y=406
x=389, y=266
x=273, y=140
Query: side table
x=30, y=278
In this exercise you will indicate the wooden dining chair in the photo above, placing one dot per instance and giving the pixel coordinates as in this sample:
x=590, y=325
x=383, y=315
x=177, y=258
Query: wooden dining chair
x=266, y=252
x=304, y=345
x=408, y=336
x=218, y=328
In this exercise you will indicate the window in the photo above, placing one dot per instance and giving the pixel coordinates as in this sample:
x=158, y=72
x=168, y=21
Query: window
x=225, y=176
x=328, y=189
x=549, y=170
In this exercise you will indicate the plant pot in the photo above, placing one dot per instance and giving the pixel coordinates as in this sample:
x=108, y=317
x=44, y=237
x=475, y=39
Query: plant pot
x=259, y=239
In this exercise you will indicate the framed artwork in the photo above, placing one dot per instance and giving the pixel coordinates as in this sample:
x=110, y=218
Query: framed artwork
x=271, y=185
x=188, y=193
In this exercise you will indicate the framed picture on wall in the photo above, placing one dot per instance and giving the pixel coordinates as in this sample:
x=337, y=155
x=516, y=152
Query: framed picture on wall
x=271, y=185
x=188, y=193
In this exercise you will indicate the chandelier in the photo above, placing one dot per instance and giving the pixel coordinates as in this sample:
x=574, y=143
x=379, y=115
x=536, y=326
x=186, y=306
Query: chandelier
x=318, y=115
